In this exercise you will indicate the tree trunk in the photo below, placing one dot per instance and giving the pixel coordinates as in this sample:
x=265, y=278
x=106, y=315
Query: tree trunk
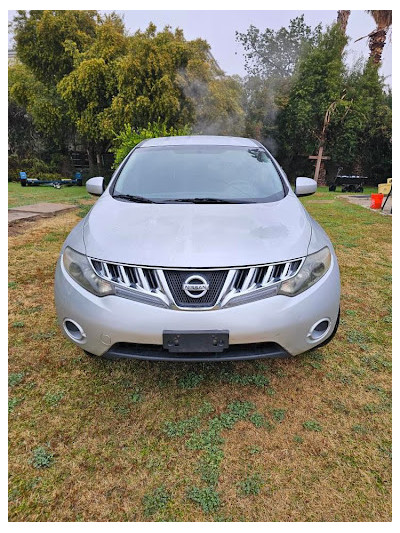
x=376, y=42
x=99, y=162
x=93, y=171
x=342, y=19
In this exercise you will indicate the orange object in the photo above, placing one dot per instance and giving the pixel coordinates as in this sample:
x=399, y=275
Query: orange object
x=376, y=201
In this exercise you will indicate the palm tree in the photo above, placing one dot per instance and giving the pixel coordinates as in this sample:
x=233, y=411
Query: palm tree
x=377, y=38
x=342, y=19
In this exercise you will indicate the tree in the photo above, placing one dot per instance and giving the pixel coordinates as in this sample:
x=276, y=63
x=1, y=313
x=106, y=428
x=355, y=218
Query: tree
x=219, y=111
x=39, y=127
x=150, y=77
x=377, y=38
x=270, y=60
x=88, y=90
x=41, y=38
x=318, y=85
x=275, y=53
x=360, y=134
x=92, y=79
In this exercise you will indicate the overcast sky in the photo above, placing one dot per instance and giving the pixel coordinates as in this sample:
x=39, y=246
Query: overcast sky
x=218, y=28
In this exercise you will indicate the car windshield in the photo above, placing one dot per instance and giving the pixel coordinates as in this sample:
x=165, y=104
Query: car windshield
x=202, y=174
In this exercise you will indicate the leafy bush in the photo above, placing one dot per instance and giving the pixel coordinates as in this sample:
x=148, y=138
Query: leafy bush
x=128, y=138
x=34, y=167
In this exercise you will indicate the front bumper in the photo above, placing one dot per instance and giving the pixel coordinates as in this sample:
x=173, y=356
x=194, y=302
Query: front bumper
x=285, y=322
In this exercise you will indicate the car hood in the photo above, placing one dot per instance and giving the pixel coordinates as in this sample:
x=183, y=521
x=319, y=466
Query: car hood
x=196, y=235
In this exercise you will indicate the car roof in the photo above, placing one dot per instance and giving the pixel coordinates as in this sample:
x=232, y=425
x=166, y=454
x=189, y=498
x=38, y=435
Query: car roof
x=216, y=140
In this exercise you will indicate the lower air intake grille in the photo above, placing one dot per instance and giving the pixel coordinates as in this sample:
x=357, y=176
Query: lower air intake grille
x=176, y=279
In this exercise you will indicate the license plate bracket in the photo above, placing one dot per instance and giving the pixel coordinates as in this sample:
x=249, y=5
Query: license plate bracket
x=209, y=341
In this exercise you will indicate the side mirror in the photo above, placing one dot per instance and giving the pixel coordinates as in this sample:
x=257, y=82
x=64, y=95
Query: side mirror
x=95, y=186
x=305, y=186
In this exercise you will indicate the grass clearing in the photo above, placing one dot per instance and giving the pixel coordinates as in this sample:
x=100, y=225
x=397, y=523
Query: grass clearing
x=18, y=195
x=144, y=441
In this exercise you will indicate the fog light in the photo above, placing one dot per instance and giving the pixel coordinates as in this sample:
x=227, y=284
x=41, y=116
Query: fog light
x=74, y=330
x=319, y=329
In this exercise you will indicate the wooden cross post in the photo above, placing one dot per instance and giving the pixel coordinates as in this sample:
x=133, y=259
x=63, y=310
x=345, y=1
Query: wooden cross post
x=319, y=159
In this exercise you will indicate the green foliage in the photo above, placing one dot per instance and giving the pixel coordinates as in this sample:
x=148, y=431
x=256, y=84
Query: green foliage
x=208, y=438
x=209, y=465
x=361, y=128
x=41, y=457
x=51, y=126
x=13, y=402
x=156, y=500
x=15, y=378
x=250, y=485
x=240, y=410
x=205, y=409
x=318, y=84
x=259, y=421
x=259, y=380
x=50, y=31
x=358, y=136
x=33, y=166
x=359, y=428
x=275, y=53
x=136, y=396
x=80, y=73
x=360, y=338
x=218, y=108
x=376, y=363
x=207, y=497
x=53, y=398
x=312, y=425
x=190, y=380
x=279, y=414
x=254, y=449
x=125, y=141
x=182, y=427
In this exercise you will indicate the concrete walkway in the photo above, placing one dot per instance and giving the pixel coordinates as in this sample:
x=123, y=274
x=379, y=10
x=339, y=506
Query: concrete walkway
x=34, y=211
x=365, y=200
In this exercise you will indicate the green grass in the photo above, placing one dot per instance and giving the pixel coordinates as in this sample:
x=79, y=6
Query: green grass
x=303, y=439
x=18, y=195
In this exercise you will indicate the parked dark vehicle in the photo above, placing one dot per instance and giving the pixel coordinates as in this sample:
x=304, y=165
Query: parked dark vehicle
x=348, y=183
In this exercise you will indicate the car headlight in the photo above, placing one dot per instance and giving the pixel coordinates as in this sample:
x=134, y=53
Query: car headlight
x=79, y=268
x=314, y=267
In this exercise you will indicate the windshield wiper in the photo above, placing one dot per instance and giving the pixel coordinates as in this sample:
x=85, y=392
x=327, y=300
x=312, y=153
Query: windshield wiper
x=206, y=201
x=133, y=198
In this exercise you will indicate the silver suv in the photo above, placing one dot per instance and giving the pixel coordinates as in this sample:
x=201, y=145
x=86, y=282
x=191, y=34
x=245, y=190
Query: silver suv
x=198, y=250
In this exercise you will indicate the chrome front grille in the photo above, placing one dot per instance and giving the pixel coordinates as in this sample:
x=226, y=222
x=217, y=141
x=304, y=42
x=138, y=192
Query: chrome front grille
x=226, y=287
x=176, y=279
